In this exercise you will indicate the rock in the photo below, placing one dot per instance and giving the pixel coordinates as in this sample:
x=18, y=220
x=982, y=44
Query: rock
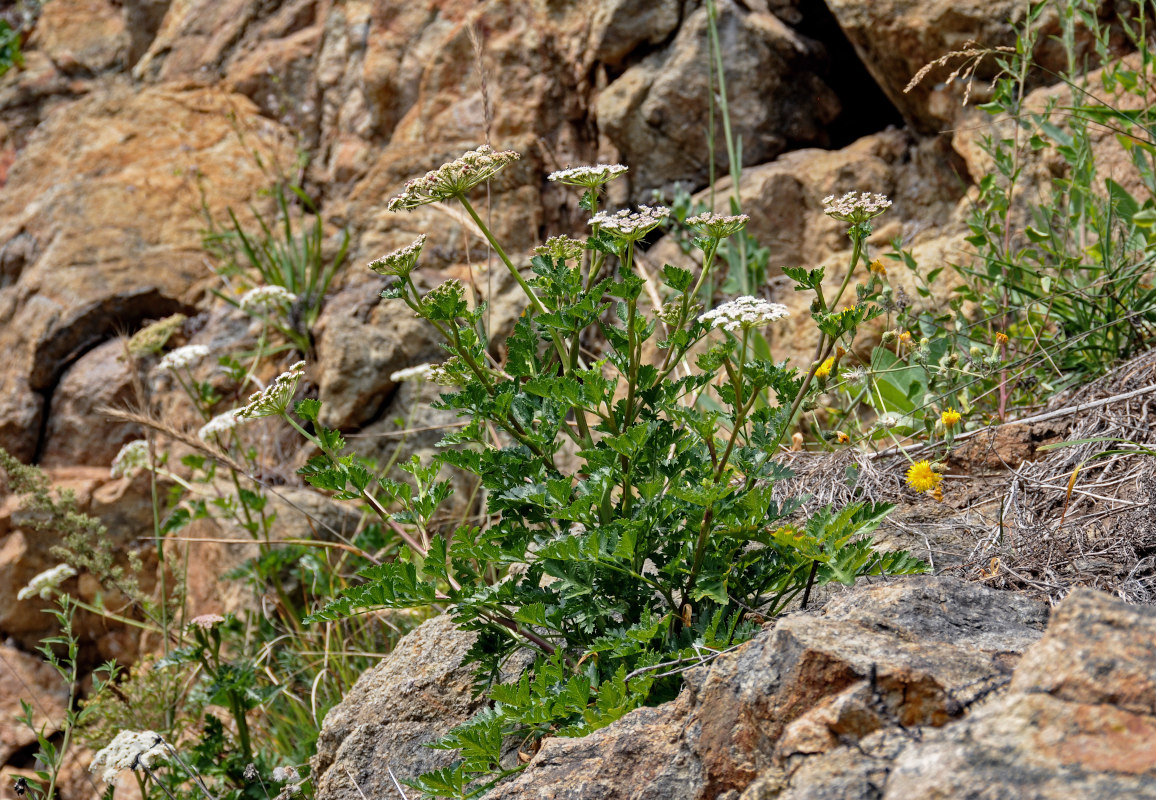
x=112, y=232
x=77, y=432
x=29, y=678
x=83, y=35
x=897, y=655
x=361, y=341
x=1079, y=719
x=656, y=112
x=619, y=27
x=414, y=696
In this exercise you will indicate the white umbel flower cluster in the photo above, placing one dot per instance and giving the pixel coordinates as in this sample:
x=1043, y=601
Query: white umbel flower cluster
x=400, y=262
x=718, y=226
x=419, y=373
x=129, y=750
x=274, y=399
x=183, y=357
x=588, y=177
x=855, y=207
x=218, y=425
x=743, y=312
x=266, y=299
x=630, y=225
x=454, y=179
x=46, y=583
x=132, y=458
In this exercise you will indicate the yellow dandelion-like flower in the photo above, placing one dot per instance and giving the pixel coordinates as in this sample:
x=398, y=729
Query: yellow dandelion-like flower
x=825, y=368
x=842, y=438
x=905, y=337
x=950, y=418
x=1001, y=338
x=921, y=477
x=877, y=267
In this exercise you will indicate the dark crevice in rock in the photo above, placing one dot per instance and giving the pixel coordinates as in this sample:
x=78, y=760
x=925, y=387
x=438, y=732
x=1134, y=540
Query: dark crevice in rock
x=118, y=315
x=866, y=109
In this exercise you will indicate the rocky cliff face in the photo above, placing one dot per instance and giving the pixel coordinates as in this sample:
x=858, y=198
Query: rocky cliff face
x=133, y=122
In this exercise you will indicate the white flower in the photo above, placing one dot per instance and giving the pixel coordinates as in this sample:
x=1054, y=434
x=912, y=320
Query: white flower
x=419, y=373
x=274, y=399
x=630, y=225
x=129, y=750
x=132, y=458
x=47, y=582
x=183, y=357
x=400, y=262
x=718, y=226
x=283, y=774
x=206, y=621
x=855, y=207
x=222, y=423
x=454, y=179
x=588, y=177
x=265, y=299
x=743, y=312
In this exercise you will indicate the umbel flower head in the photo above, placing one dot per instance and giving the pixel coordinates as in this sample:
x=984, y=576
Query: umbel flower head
x=274, y=399
x=922, y=478
x=588, y=177
x=855, y=207
x=401, y=262
x=132, y=458
x=220, y=424
x=46, y=583
x=561, y=247
x=183, y=357
x=129, y=750
x=718, y=226
x=266, y=299
x=417, y=373
x=630, y=225
x=152, y=338
x=454, y=179
x=743, y=313
x=206, y=621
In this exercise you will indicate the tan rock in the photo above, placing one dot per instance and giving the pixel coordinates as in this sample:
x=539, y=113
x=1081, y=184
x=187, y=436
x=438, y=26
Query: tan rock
x=29, y=678
x=112, y=234
x=83, y=34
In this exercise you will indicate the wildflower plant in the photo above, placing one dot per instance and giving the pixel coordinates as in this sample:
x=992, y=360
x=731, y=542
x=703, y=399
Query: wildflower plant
x=626, y=529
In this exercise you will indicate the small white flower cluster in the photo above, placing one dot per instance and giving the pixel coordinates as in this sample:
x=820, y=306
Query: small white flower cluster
x=718, y=226
x=285, y=774
x=206, y=621
x=46, y=583
x=419, y=373
x=400, y=262
x=448, y=373
x=630, y=225
x=855, y=207
x=132, y=458
x=266, y=299
x=454, y=179
x=129, y=750
x=220, y=424
x=274, y=399
x=588, y=177
x=743, y=312
x=183, y=357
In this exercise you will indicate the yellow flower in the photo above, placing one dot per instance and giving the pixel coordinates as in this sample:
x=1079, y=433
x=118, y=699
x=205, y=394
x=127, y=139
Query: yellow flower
x=921, y=477
x=1001, y=338
x=842, y=438
x=824, y=369
x=950, y=417
x=877, y=267
x=905, y=337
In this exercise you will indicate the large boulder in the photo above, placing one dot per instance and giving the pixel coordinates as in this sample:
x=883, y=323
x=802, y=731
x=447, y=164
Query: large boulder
x=657, y=112
x=924, y=687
